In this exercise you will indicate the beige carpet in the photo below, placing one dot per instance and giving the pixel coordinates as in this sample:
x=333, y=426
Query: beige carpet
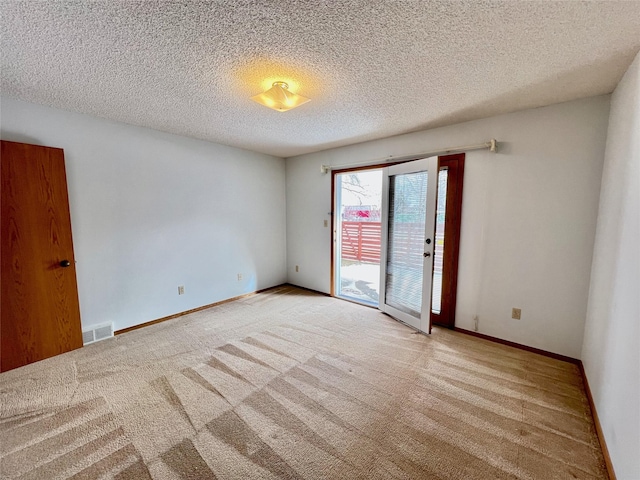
x=290, y=384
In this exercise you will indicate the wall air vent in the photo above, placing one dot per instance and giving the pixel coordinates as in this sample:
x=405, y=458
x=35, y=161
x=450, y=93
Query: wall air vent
x=97, y=333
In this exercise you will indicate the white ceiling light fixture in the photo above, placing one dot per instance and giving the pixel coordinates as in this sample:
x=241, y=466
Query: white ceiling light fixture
x=279, y=98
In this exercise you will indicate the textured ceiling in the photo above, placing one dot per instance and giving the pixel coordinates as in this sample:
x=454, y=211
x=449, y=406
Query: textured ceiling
x=372, y=68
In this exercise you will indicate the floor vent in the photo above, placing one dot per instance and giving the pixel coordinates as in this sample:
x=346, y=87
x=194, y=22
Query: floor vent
x=97, y=333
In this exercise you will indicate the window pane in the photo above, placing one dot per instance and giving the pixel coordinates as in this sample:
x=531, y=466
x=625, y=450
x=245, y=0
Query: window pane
x=358, y=200
x=407, y=209
x=438, y=256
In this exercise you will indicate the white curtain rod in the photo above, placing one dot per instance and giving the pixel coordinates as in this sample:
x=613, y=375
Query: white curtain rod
x=492, y=145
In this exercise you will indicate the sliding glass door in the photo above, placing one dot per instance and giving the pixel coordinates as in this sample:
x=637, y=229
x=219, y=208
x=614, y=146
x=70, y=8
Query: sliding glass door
x=408, y=239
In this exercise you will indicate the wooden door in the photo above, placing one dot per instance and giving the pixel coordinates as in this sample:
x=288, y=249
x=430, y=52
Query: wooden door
x=40, y=311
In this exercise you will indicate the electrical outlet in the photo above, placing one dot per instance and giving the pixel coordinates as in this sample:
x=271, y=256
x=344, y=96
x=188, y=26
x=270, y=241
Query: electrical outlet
x=180, y=289
x=297, y=268
x=239, y=276
x=326, y=223
x=516, y=313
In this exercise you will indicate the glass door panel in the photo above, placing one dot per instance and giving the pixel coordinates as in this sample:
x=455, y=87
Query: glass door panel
x=408, y=222
x=358, y=236
x=406, y=226
x=438, y=256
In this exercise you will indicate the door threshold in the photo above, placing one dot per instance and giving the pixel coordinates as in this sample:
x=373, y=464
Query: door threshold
x=352, y=300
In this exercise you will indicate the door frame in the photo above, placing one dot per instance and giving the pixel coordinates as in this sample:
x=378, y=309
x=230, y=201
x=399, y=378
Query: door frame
x=453, y=220
x=455, y=164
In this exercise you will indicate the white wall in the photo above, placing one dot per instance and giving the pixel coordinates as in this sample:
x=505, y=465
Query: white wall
x=528, y=223
x=151, y=211
x=612, y=333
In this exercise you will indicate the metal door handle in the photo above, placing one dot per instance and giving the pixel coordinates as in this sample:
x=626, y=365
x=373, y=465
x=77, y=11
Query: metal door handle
x=426, y=254
x=65, y=263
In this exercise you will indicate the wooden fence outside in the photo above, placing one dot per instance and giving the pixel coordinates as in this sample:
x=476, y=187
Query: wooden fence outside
x=361, y=242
